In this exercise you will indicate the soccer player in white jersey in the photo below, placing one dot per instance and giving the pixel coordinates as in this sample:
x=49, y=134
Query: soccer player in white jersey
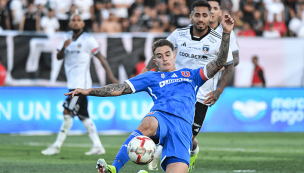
x=169, y=122
x=77, y=50
x=196, y=45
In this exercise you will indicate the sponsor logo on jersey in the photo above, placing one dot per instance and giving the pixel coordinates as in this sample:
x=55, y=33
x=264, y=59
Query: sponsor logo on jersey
x=79, y=45
x=170, y=81
x=192, y=55
x=72, y=51
x=184, y=44
x=162, y=76
x=174, y=75
x=206, y=48
x=185, y=73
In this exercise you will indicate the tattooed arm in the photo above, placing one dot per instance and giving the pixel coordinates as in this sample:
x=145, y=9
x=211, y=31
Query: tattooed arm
x=213, y=96
x=235, y=55
x=108, y=90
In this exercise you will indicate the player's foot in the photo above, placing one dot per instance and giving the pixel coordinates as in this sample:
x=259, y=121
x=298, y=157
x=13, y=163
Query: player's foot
x=143, y=171
x=192, y=162
x=103, y=167
x=96, y=151
x=51, y=151
x=153, y=165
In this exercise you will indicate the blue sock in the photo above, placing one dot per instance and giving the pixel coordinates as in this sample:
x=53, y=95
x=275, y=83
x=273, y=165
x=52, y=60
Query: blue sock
x=122, y=156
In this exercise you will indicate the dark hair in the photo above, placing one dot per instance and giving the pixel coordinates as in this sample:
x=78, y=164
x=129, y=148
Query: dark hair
x=255, y=57
x=161, y=43
x=218, y=1
x=200, y=3
x=142, y=57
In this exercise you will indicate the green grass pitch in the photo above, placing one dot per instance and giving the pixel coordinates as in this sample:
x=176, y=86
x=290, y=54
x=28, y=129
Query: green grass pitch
x=219, y=153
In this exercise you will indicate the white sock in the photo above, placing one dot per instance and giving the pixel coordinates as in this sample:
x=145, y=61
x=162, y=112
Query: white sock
x=158, y=152
x=64, y=130
x=192, y=153
x=92, y=132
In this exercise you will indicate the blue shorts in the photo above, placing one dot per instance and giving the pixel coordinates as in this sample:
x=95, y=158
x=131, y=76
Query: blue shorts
x=175, y=135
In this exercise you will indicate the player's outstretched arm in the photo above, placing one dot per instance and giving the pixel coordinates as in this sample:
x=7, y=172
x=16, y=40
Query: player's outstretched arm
x=107, y=68
x=108, y=90
x=214, y=66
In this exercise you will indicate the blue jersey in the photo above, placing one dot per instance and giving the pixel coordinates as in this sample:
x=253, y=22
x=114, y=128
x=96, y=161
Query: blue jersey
x=172, y=92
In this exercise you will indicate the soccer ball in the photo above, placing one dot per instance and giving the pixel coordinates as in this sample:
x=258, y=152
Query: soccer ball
x=141, y=150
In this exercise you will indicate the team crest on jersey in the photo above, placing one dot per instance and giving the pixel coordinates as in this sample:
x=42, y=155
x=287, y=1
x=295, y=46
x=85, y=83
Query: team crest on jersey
x=79, y=46
x=206, y=48
x=162, y=76
x=185, y=73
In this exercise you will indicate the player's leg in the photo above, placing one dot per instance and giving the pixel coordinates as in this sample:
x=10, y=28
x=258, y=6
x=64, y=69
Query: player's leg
x=147, y=127
x=153, y=165
x=83, y=115
x=64, y=130
x=199, y=117
x=177, y=167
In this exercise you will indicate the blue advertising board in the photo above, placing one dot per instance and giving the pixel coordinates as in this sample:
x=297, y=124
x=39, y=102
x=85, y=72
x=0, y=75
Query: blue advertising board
x=39, y=109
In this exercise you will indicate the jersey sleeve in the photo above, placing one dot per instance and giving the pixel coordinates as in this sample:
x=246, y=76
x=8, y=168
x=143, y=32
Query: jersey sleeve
x=233, y=45
x=140, y=82
x=173, y=38
x=229, y=58
x=200, y=76
x=93, y=46
x=43, y=22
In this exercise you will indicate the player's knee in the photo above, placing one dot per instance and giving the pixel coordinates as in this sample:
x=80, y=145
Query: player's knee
x=146, y=128
x=66, y=112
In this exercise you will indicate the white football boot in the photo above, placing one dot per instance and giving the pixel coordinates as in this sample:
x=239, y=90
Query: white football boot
x=96, y=151
x=51, y=151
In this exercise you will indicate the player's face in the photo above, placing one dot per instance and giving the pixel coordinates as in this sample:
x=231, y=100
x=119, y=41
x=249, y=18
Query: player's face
x=200, y=17
x=216, y=11
x=76, y=23
x=164, y=58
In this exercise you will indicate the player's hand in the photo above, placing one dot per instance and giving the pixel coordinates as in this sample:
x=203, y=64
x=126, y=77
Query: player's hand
x=222, y=69
x=212, y=97
x=227, y=23
x=67, y=43
x=78, y=92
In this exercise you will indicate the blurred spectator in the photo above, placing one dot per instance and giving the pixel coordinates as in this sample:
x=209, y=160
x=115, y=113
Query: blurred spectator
x=122, y=7
x=157, y=28
x=86, y=10
x=136, y=25
x=2, y=74
x=140, y=65
x=41, y=11
x=174, y=6
x=296, y=24
x=278, y=25
x=17, y=12
x=247, y=31
x=258, y=79
x=151, y=3
x=272, y=32
x=227, y=5
x=105, y=12
x=238, y=22
x=5, y=15
x=248, y=7
x=62, y=9
x=275, y=7
x=181, y=20
x=258, y=24
x=149, y=18
x=31, y=19
x=137, y=5
x=125, y=24
x=111, y=25
x=163, y=15
x=49, y=23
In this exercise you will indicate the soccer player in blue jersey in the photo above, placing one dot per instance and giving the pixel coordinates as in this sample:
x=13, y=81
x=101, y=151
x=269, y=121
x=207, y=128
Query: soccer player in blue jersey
x=173, y=91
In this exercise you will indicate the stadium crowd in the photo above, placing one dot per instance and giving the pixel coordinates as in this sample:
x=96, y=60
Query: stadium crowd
x=268, y=18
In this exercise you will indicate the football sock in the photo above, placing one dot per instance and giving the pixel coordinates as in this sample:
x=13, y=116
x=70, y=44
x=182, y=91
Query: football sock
x=122, y=156
x=158, y=152
x=65, y=128
x=92, y=132
x=194, y=152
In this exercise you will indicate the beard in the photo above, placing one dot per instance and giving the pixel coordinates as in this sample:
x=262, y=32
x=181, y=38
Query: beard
x=75, y=31
x=199, y=29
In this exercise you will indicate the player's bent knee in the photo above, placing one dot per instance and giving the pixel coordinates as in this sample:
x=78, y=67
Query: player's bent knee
x=177, y=167
x=148, y=126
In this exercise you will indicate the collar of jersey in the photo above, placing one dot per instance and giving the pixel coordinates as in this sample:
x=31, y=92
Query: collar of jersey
x=198, y=39
x=74, y=39
x=219, y=24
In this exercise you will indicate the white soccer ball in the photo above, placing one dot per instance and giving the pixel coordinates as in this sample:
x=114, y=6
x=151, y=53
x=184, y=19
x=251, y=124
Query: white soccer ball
x=141, y=150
